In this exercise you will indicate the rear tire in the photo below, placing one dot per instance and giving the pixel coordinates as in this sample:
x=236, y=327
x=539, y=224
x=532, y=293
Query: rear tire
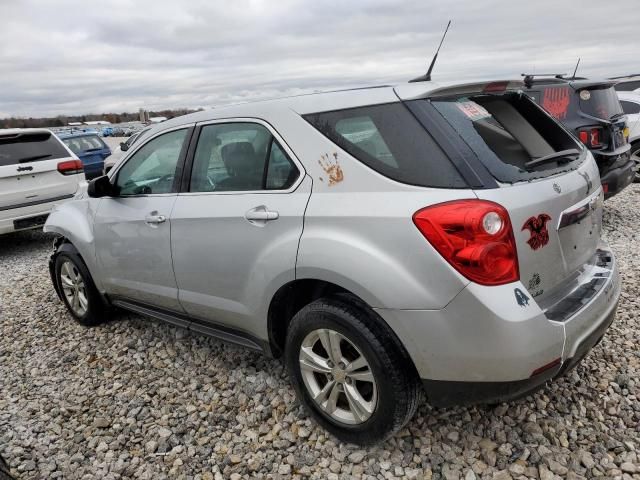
x=76, y=287
x=635, y=156
x=363, y=391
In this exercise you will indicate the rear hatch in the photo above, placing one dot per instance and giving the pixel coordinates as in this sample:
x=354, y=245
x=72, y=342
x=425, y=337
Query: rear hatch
x=29, y=168
x=547, y=181
x=90, y=149
x=591, y=110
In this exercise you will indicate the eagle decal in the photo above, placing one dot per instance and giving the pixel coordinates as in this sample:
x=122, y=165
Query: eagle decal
x=537, y=226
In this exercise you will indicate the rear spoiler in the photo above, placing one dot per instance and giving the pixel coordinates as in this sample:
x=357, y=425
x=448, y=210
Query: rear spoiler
x=417, y=91
x=12, y=136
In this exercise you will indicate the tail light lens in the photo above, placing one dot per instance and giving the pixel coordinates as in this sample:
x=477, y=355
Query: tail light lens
x=475, y=237
x=70, y=167
x=591, y=137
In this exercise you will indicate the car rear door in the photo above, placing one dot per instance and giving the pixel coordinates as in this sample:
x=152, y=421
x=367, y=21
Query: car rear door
x=133, y=227
x=235, y=229
x=29, y=171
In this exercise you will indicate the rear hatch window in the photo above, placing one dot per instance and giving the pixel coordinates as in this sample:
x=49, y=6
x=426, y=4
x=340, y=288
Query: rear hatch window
x=27, y=147
x=514, y=139
x=79, y=145
x=600, y=103
x=389, y=139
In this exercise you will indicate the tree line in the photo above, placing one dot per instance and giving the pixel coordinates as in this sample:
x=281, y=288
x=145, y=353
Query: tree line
x=64, y=120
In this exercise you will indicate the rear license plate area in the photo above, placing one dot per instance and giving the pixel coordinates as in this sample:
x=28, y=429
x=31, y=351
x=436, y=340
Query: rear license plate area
x=30, y=222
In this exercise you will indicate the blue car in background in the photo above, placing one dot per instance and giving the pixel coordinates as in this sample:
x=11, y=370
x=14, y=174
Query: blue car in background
x=89, y=148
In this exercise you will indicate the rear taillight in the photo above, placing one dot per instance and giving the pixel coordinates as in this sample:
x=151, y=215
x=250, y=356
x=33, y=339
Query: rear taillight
x=591, y=137
x=475, y=237
x=70, y=167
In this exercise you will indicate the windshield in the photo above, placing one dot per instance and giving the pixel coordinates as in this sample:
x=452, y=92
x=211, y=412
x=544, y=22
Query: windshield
x=508, y=133
x=601, y=103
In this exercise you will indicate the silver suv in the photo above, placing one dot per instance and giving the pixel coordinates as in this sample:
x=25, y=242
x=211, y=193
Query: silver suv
x=381, y=240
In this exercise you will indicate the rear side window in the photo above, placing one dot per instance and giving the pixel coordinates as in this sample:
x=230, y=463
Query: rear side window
x=600, y=102
x=507, y=132
x=236, y=157
x=630, y=107
x=388, y=139
x=30, y=147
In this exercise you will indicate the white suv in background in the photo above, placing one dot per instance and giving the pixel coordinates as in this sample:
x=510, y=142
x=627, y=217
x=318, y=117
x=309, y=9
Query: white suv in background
x=36, y=171
x=630, y=102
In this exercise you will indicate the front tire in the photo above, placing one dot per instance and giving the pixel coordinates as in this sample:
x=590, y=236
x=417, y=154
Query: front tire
x=350, y=372
x=76, y=287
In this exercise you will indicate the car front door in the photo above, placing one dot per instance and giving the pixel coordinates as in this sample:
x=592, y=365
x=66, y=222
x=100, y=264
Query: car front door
x=235, y=230
x=133, y=227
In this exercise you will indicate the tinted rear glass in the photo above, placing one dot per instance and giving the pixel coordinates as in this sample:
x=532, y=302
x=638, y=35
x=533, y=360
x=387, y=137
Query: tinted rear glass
x=506, y=132
x=600, y=102
x=388, y=139
x=83, y=144
x=30, y=147
x=627, y=86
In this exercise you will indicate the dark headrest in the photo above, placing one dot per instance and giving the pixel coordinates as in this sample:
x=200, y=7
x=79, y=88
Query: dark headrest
x=238, y=148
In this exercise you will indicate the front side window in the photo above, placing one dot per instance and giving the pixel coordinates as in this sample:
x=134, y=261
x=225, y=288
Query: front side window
x=240, y=157
x=152, y=169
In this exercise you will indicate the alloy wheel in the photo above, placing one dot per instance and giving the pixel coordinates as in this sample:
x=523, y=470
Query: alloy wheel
x=635, y=156
x=73, y=288
x=338, y=377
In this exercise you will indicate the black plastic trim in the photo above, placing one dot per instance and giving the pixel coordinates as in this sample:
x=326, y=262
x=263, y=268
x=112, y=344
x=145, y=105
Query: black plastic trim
x=37, y=202
x=617, y=179
x=473, y=172
x=221, y=332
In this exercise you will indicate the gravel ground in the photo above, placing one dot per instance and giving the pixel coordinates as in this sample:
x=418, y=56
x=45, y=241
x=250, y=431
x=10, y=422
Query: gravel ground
x=137, y=398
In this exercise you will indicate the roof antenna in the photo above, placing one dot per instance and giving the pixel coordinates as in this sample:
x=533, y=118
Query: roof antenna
x=427, y=76
x=576, y=69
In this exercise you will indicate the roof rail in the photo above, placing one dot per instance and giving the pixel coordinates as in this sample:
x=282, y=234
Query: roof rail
x=529, y=77
x=625, y=76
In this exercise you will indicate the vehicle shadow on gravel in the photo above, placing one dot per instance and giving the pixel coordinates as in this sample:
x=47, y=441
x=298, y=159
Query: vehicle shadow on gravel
x=24, y=242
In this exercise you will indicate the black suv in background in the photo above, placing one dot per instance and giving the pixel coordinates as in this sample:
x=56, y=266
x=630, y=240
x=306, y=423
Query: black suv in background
x=592, y=111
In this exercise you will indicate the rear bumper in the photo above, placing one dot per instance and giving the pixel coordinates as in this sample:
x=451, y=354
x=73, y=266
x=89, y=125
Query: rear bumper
x=614, y=180
x=28, y=216
x=484, y=347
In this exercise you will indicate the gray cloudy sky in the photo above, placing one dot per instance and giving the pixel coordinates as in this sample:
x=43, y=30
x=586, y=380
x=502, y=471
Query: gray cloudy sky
x=69, y=57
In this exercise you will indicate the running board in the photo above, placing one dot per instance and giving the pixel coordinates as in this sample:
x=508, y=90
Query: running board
x=221, y=333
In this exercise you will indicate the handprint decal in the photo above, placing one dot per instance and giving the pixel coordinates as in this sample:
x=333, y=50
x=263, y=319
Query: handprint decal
x=332, y=168
x=556, y=101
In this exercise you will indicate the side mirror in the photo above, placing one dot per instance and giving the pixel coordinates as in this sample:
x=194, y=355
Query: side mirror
x=124, y=147
x=100, y=187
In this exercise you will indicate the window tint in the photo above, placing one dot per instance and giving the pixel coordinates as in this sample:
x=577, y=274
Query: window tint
x=281, y=171
x=627, y=86
x=233, y=157
x=600, y=102
x=388, y=139
x=630, y=107
x=505, y=132
x=30, y=147
x=151, y=169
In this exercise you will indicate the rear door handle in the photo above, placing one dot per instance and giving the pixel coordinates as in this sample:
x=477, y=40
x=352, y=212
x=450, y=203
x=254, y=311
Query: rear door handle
x=154, y=218
x=260, y=215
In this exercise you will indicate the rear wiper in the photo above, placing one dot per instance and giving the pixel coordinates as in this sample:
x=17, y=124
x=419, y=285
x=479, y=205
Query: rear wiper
x=35, y=157
x=616, y=116
x=553, y=157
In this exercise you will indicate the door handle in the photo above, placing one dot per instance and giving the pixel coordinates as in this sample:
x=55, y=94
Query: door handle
x=260, y=215
x=154, y=218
